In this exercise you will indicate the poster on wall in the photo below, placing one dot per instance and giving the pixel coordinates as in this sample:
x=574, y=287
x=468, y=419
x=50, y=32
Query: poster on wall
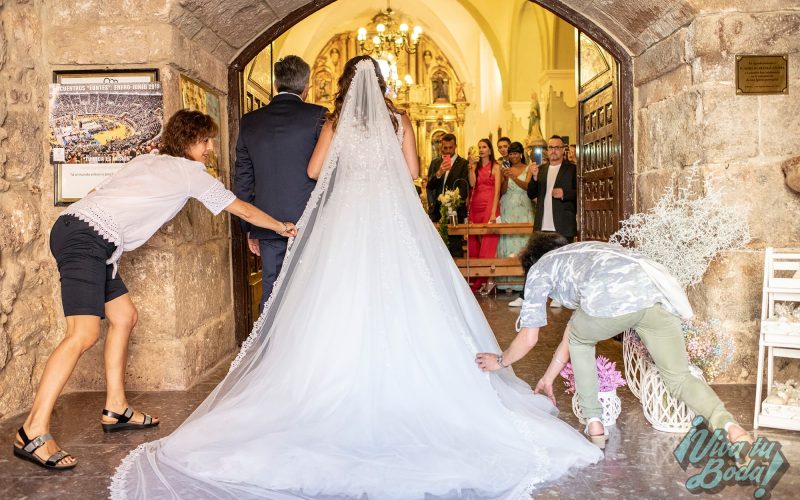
x=95, y=128
x=198, y=97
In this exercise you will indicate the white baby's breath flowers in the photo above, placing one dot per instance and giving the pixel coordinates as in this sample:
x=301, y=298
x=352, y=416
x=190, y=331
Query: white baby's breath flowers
x=686, y=230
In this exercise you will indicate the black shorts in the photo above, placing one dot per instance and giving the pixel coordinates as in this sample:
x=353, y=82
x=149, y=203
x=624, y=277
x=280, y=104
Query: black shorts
x=81, y=255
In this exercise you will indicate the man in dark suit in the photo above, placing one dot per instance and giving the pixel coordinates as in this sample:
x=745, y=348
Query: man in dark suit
x=449, y=171
x=272, y=153
x=555, y=187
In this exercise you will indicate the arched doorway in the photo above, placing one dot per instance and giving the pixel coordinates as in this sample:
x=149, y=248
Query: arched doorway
x=604, y=140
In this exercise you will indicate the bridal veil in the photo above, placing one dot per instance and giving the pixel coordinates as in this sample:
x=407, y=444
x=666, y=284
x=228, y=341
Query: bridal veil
x=358, y=380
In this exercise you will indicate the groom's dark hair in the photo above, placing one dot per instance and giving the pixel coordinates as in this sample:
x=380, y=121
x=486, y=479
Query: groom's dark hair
x=539, y=244
x=291, y=74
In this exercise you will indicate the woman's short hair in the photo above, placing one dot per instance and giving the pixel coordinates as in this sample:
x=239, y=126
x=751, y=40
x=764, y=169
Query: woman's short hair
x=539, y=244
x=185, y=128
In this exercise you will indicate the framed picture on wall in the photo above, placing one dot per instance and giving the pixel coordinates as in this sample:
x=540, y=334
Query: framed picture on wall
x=98, y=121
x=199, y=97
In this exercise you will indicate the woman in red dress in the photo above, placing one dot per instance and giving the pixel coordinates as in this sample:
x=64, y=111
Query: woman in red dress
x=484, y=180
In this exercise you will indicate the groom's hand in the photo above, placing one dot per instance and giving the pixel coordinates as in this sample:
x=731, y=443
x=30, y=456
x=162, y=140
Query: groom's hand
x=546, y=387
x=252, y=244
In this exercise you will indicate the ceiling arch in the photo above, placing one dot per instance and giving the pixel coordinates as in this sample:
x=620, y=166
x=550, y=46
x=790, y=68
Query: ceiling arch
x=227, y=29
x=321, y=25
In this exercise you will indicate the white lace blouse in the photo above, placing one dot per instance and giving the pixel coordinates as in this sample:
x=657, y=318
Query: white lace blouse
x=131, y=205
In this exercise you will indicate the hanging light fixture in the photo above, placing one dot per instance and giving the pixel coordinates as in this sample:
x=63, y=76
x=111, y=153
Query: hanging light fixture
x=388, y=36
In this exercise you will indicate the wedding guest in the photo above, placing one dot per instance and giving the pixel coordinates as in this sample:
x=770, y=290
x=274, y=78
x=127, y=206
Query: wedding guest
x=87, y=240
x=611, y=289
x=447, y=172
x=555, y=188
x=515, y=206
x=572, y=155
x=503, y=144
x=484, y=179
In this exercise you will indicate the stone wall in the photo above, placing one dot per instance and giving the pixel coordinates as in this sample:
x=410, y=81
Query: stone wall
x=180, y=281
x=689, y=114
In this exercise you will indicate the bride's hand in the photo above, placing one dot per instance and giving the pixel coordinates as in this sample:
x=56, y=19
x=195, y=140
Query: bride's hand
x=487, y=361
x=546, y=387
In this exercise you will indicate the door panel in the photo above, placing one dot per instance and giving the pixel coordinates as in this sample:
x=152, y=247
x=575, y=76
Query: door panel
x=254, y=83
x=598, y=143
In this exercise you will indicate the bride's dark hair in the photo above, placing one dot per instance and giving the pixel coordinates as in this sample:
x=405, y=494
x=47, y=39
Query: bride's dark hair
x=346, y=79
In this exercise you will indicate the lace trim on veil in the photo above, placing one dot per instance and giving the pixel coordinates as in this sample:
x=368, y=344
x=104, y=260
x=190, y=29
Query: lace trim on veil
x=313, y=202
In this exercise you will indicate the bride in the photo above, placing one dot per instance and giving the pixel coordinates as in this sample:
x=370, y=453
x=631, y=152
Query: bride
x=358, y=380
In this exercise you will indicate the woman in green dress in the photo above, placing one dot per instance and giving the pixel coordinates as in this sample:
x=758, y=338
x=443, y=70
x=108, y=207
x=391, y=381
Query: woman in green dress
x=515, y=206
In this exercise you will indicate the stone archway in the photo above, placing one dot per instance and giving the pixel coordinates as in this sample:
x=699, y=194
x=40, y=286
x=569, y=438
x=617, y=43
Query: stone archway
x=562, y=9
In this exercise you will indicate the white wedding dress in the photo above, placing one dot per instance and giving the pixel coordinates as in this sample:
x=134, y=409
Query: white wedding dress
x=359, y=380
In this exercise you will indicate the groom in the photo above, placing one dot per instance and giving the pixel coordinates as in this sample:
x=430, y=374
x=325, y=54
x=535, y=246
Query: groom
x=272, y=153
x=611, y=289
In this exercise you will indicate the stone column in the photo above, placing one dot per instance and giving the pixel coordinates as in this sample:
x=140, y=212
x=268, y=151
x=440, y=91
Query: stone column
x=180, y=281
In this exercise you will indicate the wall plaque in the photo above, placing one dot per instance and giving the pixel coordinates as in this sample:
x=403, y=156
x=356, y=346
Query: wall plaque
x=759, y=75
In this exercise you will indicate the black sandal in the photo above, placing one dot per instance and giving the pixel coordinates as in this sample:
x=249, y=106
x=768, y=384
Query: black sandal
x=124, y=423
x=29, y=446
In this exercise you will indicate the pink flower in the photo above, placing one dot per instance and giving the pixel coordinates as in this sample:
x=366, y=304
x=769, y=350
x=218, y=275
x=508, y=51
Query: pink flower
x=608, y=377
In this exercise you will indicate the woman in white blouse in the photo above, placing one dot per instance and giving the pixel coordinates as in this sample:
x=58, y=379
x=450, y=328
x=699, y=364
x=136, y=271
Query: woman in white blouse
x=87, y=240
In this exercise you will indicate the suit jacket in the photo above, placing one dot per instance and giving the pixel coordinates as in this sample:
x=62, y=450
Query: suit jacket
x=436, y=186
x=272, y=153
x=564, y=211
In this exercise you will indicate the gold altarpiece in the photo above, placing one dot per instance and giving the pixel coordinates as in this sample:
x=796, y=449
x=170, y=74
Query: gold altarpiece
x=435, y=101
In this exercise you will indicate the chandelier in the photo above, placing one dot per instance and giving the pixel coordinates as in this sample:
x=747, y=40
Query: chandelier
x=394, y=83
x=389, y=38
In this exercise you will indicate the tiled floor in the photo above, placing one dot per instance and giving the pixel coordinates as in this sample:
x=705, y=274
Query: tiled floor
x=638, y=463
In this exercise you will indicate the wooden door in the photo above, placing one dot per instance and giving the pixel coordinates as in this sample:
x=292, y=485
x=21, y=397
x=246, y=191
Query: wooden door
x=254, y=84
x=599, y=160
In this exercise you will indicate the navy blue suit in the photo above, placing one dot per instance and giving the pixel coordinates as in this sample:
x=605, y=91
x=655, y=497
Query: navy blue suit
x=272, y=153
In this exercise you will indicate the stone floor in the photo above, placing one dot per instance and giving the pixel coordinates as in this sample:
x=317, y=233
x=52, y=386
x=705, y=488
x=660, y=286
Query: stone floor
x=638, y=462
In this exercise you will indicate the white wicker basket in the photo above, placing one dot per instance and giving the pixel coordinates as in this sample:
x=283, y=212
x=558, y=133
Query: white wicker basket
x=612, y=407
x=664, y=412
x=633, y=361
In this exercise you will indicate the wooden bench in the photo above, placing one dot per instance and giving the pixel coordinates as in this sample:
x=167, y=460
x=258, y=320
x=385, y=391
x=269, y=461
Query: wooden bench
x=494, y=267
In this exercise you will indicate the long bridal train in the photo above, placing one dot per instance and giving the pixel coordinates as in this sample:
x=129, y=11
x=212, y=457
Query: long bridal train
x=359, y=377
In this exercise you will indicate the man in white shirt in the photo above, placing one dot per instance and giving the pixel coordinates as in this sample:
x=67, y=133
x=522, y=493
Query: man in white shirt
x=555, y=189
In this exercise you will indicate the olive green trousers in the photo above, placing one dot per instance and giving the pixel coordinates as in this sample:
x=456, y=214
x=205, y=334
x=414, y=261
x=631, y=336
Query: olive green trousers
x=661, y=333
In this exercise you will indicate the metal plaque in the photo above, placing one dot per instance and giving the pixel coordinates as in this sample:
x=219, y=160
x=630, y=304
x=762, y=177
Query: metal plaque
x=760, y=75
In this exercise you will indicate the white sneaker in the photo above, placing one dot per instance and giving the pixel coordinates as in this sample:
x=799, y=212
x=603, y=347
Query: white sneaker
x=555, y=303
x=516, y=302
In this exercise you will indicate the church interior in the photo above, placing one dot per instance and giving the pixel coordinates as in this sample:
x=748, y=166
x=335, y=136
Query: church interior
x=647, y=93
